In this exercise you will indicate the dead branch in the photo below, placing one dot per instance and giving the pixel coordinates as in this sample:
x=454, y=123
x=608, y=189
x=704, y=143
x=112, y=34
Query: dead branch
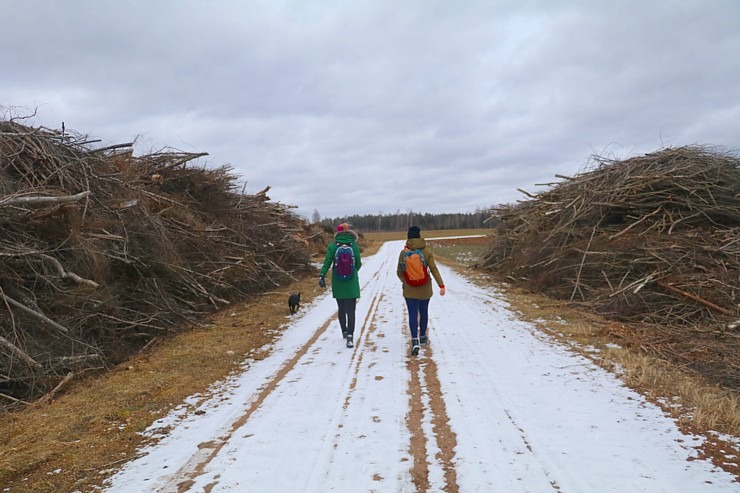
x=65, y=274
x=694, y=297
x=634, y=224
x=114, y=147
x=11, y=398
x=46, y=320
x=50, y=395
x=15, y=350
x=38, y=200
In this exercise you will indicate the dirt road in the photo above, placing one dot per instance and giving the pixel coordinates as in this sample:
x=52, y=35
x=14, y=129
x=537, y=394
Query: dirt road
x=490, y=405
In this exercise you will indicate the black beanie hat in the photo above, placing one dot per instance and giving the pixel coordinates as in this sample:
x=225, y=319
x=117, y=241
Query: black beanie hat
x=414, y=232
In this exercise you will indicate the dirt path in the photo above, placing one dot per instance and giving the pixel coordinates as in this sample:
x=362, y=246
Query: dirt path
x=490, y=405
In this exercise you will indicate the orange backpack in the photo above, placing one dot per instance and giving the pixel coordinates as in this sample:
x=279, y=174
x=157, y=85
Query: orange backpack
x=415, y=268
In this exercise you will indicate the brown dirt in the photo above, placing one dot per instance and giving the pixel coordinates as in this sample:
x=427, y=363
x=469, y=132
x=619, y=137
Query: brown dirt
x=424, y=367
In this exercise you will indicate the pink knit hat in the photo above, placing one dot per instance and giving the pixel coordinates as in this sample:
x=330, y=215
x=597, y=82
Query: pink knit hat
x=342, y=227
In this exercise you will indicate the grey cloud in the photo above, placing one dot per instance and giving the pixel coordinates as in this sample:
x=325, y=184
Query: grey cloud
x=485, y=97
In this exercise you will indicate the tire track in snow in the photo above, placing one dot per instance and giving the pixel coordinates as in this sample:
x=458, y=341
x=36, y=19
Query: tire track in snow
x=184, y=479
x=366, y=329
x=427, y=406
x=195, y=467
x=418, y=444
x=339, y=421
x=369, y=328
x=465, y=347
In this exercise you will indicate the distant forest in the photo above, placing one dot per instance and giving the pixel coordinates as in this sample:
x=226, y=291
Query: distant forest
x=401, y=221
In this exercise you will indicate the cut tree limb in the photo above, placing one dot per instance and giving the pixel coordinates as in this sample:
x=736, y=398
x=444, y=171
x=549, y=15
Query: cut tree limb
x=65, y=274
x=19, y=352
x=695, y=298
x=61, y=384
x=40, y=200
x=9, y=397
x=33, y=313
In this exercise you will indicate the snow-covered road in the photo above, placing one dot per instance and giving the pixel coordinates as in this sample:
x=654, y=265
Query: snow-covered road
x=490, y=405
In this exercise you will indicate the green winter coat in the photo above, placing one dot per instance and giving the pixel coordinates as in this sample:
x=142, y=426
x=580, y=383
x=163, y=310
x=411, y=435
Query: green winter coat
x=343, y=289
x=423, y=292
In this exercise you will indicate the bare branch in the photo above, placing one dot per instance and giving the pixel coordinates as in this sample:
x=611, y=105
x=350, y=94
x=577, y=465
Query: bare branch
x=65, y=274
x=15, y=350
x=33, y=313
x=38, y=200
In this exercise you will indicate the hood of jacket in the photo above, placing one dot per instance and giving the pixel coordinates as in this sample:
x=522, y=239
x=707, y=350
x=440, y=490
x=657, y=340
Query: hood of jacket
x=345, y=237
x=416, y=243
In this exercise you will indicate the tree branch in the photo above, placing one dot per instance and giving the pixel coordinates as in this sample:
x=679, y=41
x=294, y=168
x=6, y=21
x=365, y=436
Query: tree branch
x=19, y=352
x=65, y=274
x=38, y=200
x=33, y=313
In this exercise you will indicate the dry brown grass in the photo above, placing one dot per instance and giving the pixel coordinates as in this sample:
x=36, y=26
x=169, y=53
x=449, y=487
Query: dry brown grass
x=73, y=442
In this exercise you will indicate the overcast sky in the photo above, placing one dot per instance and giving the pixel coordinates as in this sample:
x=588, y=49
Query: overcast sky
x=367, y=106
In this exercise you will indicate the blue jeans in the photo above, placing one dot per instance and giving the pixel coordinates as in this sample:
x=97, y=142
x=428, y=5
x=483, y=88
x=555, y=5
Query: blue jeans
x=418, y=316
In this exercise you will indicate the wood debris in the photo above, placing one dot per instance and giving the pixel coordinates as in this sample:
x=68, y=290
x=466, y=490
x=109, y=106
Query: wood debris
x=652, y=241
x=102, y=251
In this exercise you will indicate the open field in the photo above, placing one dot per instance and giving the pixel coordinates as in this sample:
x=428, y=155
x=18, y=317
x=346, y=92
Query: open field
x=400, y=235
x=448, y=244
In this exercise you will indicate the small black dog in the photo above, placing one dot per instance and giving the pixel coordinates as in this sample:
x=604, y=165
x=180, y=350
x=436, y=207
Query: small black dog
x=294, y=301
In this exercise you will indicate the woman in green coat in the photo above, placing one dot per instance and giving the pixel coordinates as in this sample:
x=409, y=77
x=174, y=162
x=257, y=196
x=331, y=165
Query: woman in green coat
x=343, y=257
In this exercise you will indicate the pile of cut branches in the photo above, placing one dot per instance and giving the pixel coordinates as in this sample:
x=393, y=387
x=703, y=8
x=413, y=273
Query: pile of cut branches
x=652, y=240
x=102, y=252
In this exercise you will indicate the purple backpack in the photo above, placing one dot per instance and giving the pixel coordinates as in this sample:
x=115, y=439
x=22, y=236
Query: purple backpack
x=344, y=262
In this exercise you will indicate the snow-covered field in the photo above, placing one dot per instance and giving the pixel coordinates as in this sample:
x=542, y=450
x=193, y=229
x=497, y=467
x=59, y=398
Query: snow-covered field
x=490, y=405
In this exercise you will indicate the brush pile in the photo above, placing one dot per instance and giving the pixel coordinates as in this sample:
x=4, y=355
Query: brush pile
x=652, y=241
x=102, y=252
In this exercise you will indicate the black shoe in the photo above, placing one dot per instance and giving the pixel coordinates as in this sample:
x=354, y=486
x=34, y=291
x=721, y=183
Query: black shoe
x=344, y=334
x=414, y=346
x=423, y=340
x=350, y=343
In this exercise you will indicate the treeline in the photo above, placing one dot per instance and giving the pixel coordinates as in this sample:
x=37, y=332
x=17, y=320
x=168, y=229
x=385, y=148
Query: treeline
x=426, y=221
